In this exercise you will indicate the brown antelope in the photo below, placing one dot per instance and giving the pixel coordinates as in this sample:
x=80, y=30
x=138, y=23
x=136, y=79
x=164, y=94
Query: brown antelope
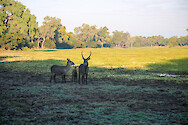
x=60, y=70
x=84, y=69
x=74, y=74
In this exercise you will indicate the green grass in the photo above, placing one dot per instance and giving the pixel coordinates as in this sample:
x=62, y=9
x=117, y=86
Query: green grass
x=89, y=104
x=123, y=62
x=124, y=87
x=136, y=58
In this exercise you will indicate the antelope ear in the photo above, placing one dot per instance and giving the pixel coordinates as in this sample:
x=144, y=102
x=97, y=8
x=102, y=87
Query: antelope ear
x=88, y=58
x=68, y=59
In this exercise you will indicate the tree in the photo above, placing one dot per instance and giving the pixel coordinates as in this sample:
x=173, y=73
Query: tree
x=156, y=41
x=131, y=41
x=183, y=40
x=87, y=34
x=116, y=38
x=172, y=42
x=32, y=30
x=126, y=38
x=47, y=30
x=75, y=43
x=61, y=35
x=103, y=35
x=67, y=40
x=139, y=41
x=18, y=27
x=150, y=41
x=53, y=34
x=120, y=39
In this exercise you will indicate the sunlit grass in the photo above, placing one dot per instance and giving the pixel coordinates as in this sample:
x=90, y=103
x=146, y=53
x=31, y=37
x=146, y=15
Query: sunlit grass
x=136, y=58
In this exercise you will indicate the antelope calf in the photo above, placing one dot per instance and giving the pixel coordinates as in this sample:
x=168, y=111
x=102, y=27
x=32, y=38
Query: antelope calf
x=60, y=70
x=84, y=69
x=74, y=74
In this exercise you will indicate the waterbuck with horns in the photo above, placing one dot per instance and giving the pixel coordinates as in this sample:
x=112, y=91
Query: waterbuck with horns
x=61, y=70
x=84, y=69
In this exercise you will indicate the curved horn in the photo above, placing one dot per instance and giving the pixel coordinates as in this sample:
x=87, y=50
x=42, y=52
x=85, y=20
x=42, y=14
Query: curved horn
x=82, y=55
x=88, y=58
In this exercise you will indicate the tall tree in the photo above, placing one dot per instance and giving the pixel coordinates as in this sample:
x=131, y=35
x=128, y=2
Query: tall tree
x=140, y=41
x=86, y=34
x=173, y=41
x=103, y=35
x=53, y=34
x=157, y=40
x=16, y=25
x=183, y=40
x=120, y=39
x=47, y=30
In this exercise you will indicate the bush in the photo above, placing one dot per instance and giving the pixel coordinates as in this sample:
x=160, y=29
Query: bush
x=27, y=49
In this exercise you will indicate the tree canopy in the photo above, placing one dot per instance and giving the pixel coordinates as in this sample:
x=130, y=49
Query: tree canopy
x=19, y=30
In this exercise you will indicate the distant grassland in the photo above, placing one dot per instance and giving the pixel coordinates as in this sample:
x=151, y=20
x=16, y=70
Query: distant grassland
x=165, y=59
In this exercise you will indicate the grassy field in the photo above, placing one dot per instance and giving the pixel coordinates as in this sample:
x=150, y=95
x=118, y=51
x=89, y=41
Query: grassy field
x=137, y=58
x=125, y=86
x=157, y=60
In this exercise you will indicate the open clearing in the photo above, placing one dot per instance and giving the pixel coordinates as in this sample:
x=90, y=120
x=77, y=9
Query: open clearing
x=124, y=89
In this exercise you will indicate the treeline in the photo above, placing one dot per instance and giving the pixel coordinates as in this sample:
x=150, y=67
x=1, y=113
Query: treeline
x=19, y=30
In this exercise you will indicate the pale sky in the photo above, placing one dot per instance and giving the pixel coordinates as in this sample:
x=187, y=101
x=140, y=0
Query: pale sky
x=138, y=17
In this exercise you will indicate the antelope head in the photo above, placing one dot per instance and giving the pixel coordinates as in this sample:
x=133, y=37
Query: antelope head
x=86, y=60
x=70, y=62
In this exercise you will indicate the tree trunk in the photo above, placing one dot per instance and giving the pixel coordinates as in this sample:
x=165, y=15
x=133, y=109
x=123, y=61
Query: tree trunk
x=131, y=44
x=38, y=43
x=101, y=44
x=31, y=40
x=42, y=46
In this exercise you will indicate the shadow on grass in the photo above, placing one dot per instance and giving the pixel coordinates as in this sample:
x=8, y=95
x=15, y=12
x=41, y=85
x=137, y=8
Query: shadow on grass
x=46, y=50
x=41, y=68
x=28, y=71
x=4, y=57
x=178, y=66
x=27, y=97
x=34, y=66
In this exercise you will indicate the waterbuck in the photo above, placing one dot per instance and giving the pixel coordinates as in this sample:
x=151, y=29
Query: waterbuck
x=84, y=69
x=74, y=74
x=60, y=70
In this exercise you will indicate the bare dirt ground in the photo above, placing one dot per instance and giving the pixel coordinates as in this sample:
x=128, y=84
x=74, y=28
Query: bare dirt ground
x=31, y=99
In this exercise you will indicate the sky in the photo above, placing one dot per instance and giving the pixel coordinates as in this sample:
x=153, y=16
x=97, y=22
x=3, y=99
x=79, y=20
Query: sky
x=138, y=17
